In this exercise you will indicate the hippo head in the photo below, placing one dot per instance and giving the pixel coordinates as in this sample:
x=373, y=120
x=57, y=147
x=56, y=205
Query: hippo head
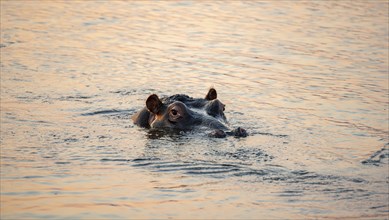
x=175, y=115
x=181, y=112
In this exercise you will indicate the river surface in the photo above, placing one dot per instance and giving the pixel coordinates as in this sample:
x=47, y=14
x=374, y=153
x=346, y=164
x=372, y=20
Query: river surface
x=308, y=80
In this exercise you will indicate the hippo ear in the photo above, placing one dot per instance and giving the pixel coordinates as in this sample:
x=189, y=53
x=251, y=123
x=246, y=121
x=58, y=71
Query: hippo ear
x=153, y=103
x=212, y=94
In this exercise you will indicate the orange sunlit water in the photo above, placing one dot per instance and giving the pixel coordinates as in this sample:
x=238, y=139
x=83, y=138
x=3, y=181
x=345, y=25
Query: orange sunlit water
x=308, y=80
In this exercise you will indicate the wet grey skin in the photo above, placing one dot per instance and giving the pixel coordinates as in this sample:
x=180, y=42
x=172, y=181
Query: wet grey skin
x=181, y=112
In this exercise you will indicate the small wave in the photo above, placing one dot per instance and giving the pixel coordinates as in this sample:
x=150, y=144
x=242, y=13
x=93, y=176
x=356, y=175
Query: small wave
x=196, y=168
x=77, y=97
x=275, y=174
x=33, y=177
x=378, y=158
x=114, y=160
x=126, y=92
x=274, y=135
x=243, y=154
x=69, y=140
x=107, y=112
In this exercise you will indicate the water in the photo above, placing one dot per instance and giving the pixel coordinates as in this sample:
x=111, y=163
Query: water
x=308, y=80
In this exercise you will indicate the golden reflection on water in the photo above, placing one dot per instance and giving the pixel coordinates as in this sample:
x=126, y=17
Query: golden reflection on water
x=315, y=73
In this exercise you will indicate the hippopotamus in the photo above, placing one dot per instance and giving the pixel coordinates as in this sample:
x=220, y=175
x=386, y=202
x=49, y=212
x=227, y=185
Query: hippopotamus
x=181, y=113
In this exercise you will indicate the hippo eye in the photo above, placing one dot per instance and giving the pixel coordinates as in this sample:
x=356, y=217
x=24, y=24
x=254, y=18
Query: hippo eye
x=174, y=114
x=224, y=108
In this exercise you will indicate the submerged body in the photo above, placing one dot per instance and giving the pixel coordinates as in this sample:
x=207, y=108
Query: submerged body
x=181, y=112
